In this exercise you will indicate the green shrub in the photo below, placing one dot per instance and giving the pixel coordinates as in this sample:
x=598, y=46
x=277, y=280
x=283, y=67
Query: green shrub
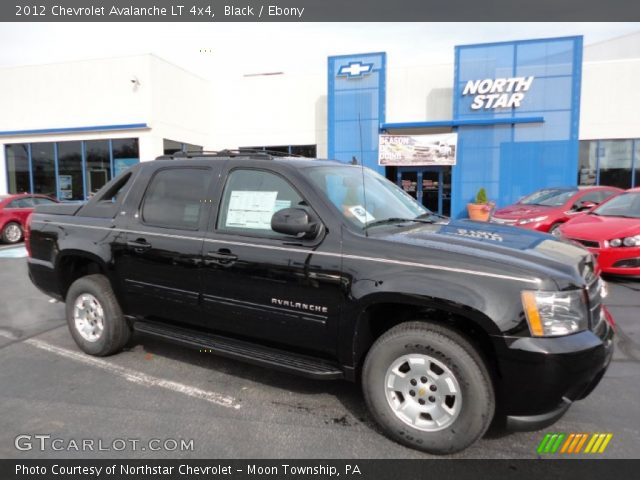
x=481, y=197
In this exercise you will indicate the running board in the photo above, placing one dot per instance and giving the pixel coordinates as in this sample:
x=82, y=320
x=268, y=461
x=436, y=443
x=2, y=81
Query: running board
x=244, y=351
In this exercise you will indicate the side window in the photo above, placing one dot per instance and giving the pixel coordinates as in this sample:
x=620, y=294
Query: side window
x=175, y=198
x=250, y=199
x=595, y=197
x=606, y=194
x=42, y=201
x=21, y=203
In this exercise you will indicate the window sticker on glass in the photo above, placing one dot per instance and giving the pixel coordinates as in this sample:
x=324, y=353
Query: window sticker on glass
x=361, y=214
x=248, y=209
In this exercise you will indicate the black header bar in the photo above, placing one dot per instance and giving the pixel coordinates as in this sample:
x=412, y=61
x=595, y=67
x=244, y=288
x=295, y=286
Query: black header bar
x=574, y=469
x=318, y=10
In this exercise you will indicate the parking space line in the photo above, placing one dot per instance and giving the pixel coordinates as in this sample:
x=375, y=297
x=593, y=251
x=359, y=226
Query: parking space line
x=135, y=376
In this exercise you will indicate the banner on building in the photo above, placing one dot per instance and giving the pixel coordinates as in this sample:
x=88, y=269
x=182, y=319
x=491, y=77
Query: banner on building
x=425, y=150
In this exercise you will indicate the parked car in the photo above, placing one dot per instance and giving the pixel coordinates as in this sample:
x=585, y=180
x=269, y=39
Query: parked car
x=612, y=233
x=14, y=210
x=286, y=263
x=547, y=209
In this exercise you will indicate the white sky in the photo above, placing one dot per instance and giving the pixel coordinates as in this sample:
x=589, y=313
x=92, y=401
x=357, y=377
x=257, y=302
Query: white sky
x=268, y=47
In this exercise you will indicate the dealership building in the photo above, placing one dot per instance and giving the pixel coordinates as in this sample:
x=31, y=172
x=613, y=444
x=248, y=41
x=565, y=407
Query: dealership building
x=523, y=115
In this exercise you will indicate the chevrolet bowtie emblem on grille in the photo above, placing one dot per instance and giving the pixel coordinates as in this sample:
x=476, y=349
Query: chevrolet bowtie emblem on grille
x=299, y=305
x=355, y=69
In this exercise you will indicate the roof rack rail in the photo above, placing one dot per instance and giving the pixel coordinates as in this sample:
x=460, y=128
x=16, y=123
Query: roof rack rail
x=229, y=153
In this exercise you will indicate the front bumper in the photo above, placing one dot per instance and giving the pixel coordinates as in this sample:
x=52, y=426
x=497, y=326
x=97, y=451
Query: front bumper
x=619, y=260
x=541, y=377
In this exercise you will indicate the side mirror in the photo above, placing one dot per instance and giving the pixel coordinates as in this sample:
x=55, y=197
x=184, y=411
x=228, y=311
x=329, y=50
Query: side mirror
x=586, y=205
x=294, y=221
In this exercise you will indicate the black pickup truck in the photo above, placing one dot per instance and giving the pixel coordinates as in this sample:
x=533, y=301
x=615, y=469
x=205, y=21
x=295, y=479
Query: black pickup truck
x=331, y=271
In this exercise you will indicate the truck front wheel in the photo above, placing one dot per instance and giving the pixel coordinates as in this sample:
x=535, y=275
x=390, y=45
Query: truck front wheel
x=94, y=316
x=428, y=388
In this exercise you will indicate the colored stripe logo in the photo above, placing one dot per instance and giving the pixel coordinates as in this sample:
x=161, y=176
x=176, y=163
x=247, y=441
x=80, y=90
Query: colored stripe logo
x=574, y=443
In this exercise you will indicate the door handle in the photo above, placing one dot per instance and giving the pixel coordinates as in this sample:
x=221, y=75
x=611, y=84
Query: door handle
x=139, y=245
x=222, y=256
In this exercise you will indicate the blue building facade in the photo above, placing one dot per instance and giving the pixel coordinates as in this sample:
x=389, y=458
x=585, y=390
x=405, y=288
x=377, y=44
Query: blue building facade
x=513, y=159
x=356, y=107
x=515, y=109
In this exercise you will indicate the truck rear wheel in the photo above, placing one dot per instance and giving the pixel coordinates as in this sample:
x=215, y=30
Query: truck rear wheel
x=428, y=388
x=94, y=316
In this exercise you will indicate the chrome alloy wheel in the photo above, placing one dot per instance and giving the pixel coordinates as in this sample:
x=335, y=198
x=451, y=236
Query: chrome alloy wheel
x=88, y=317
x=423, y=392
x=12, y=233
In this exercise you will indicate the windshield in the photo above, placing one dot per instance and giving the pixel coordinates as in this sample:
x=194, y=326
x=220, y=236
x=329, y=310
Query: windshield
x=381, y=200
x=625, y=205
x=552, y=197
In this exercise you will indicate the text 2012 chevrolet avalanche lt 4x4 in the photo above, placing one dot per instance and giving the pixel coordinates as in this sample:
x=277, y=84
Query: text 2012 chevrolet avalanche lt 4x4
x=330, y=271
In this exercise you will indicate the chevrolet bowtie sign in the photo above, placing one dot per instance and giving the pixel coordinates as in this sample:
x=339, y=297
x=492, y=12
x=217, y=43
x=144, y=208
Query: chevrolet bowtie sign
x=490, y=93
x=355, y=69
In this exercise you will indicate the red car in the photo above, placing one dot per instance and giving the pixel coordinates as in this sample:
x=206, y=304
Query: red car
x=14, y=210
x=612, y=233
x=545, y=210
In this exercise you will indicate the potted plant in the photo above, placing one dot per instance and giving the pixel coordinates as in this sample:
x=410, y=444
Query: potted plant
x=480, y=210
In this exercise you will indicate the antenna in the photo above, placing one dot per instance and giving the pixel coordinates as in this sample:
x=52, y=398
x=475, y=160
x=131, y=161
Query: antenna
x=364, y=191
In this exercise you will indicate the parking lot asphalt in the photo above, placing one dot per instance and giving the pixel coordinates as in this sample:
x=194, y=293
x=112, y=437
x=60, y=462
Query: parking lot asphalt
x=157, y=390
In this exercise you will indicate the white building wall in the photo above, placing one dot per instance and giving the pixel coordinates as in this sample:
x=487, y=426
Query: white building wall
x=420, y=93
x=144, y=89
x=610, y=100
x=74, y=94
x=287, y=109
x=180, y=108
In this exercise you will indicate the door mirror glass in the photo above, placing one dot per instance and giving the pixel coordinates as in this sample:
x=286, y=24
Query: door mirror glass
x=585, y=205
x=294, y=221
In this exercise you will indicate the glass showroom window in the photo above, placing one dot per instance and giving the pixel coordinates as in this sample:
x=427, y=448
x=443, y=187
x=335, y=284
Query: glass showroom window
x=125, y=154
x=70, y=178
x=636, y=163
x=43, y=168
x=298, y=150
x=18, y=168
x=171, y=146
x=98, y=165
x=614, y=162
x=587, y=174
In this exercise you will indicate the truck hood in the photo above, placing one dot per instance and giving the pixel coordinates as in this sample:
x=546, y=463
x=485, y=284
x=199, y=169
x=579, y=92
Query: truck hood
x=515, y=249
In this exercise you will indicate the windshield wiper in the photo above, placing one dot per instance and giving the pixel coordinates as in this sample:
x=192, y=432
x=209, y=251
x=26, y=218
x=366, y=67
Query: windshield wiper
x=387, y=221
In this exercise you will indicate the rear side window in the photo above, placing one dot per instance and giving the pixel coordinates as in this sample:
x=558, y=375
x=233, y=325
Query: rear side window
x=175, y=198
x=25, y=202
x=42, y=201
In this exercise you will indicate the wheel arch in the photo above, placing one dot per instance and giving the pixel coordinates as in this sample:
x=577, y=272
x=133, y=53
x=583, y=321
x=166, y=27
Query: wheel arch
x=73, y=264
x=383, y=314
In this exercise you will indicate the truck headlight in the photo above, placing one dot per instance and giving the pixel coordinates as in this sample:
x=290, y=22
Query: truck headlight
x=532, y=220
x=551, y=314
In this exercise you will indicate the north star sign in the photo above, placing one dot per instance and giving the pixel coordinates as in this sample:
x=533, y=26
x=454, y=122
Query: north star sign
x=497, y=93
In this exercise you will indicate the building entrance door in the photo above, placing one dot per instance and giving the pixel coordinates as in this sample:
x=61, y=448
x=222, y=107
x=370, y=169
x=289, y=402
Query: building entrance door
x=430, y=186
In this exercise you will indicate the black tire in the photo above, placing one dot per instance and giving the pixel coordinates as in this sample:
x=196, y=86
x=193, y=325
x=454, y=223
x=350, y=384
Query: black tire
x=116, y=331
x=460, y=357
x=554, y=227
x=5, y=232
